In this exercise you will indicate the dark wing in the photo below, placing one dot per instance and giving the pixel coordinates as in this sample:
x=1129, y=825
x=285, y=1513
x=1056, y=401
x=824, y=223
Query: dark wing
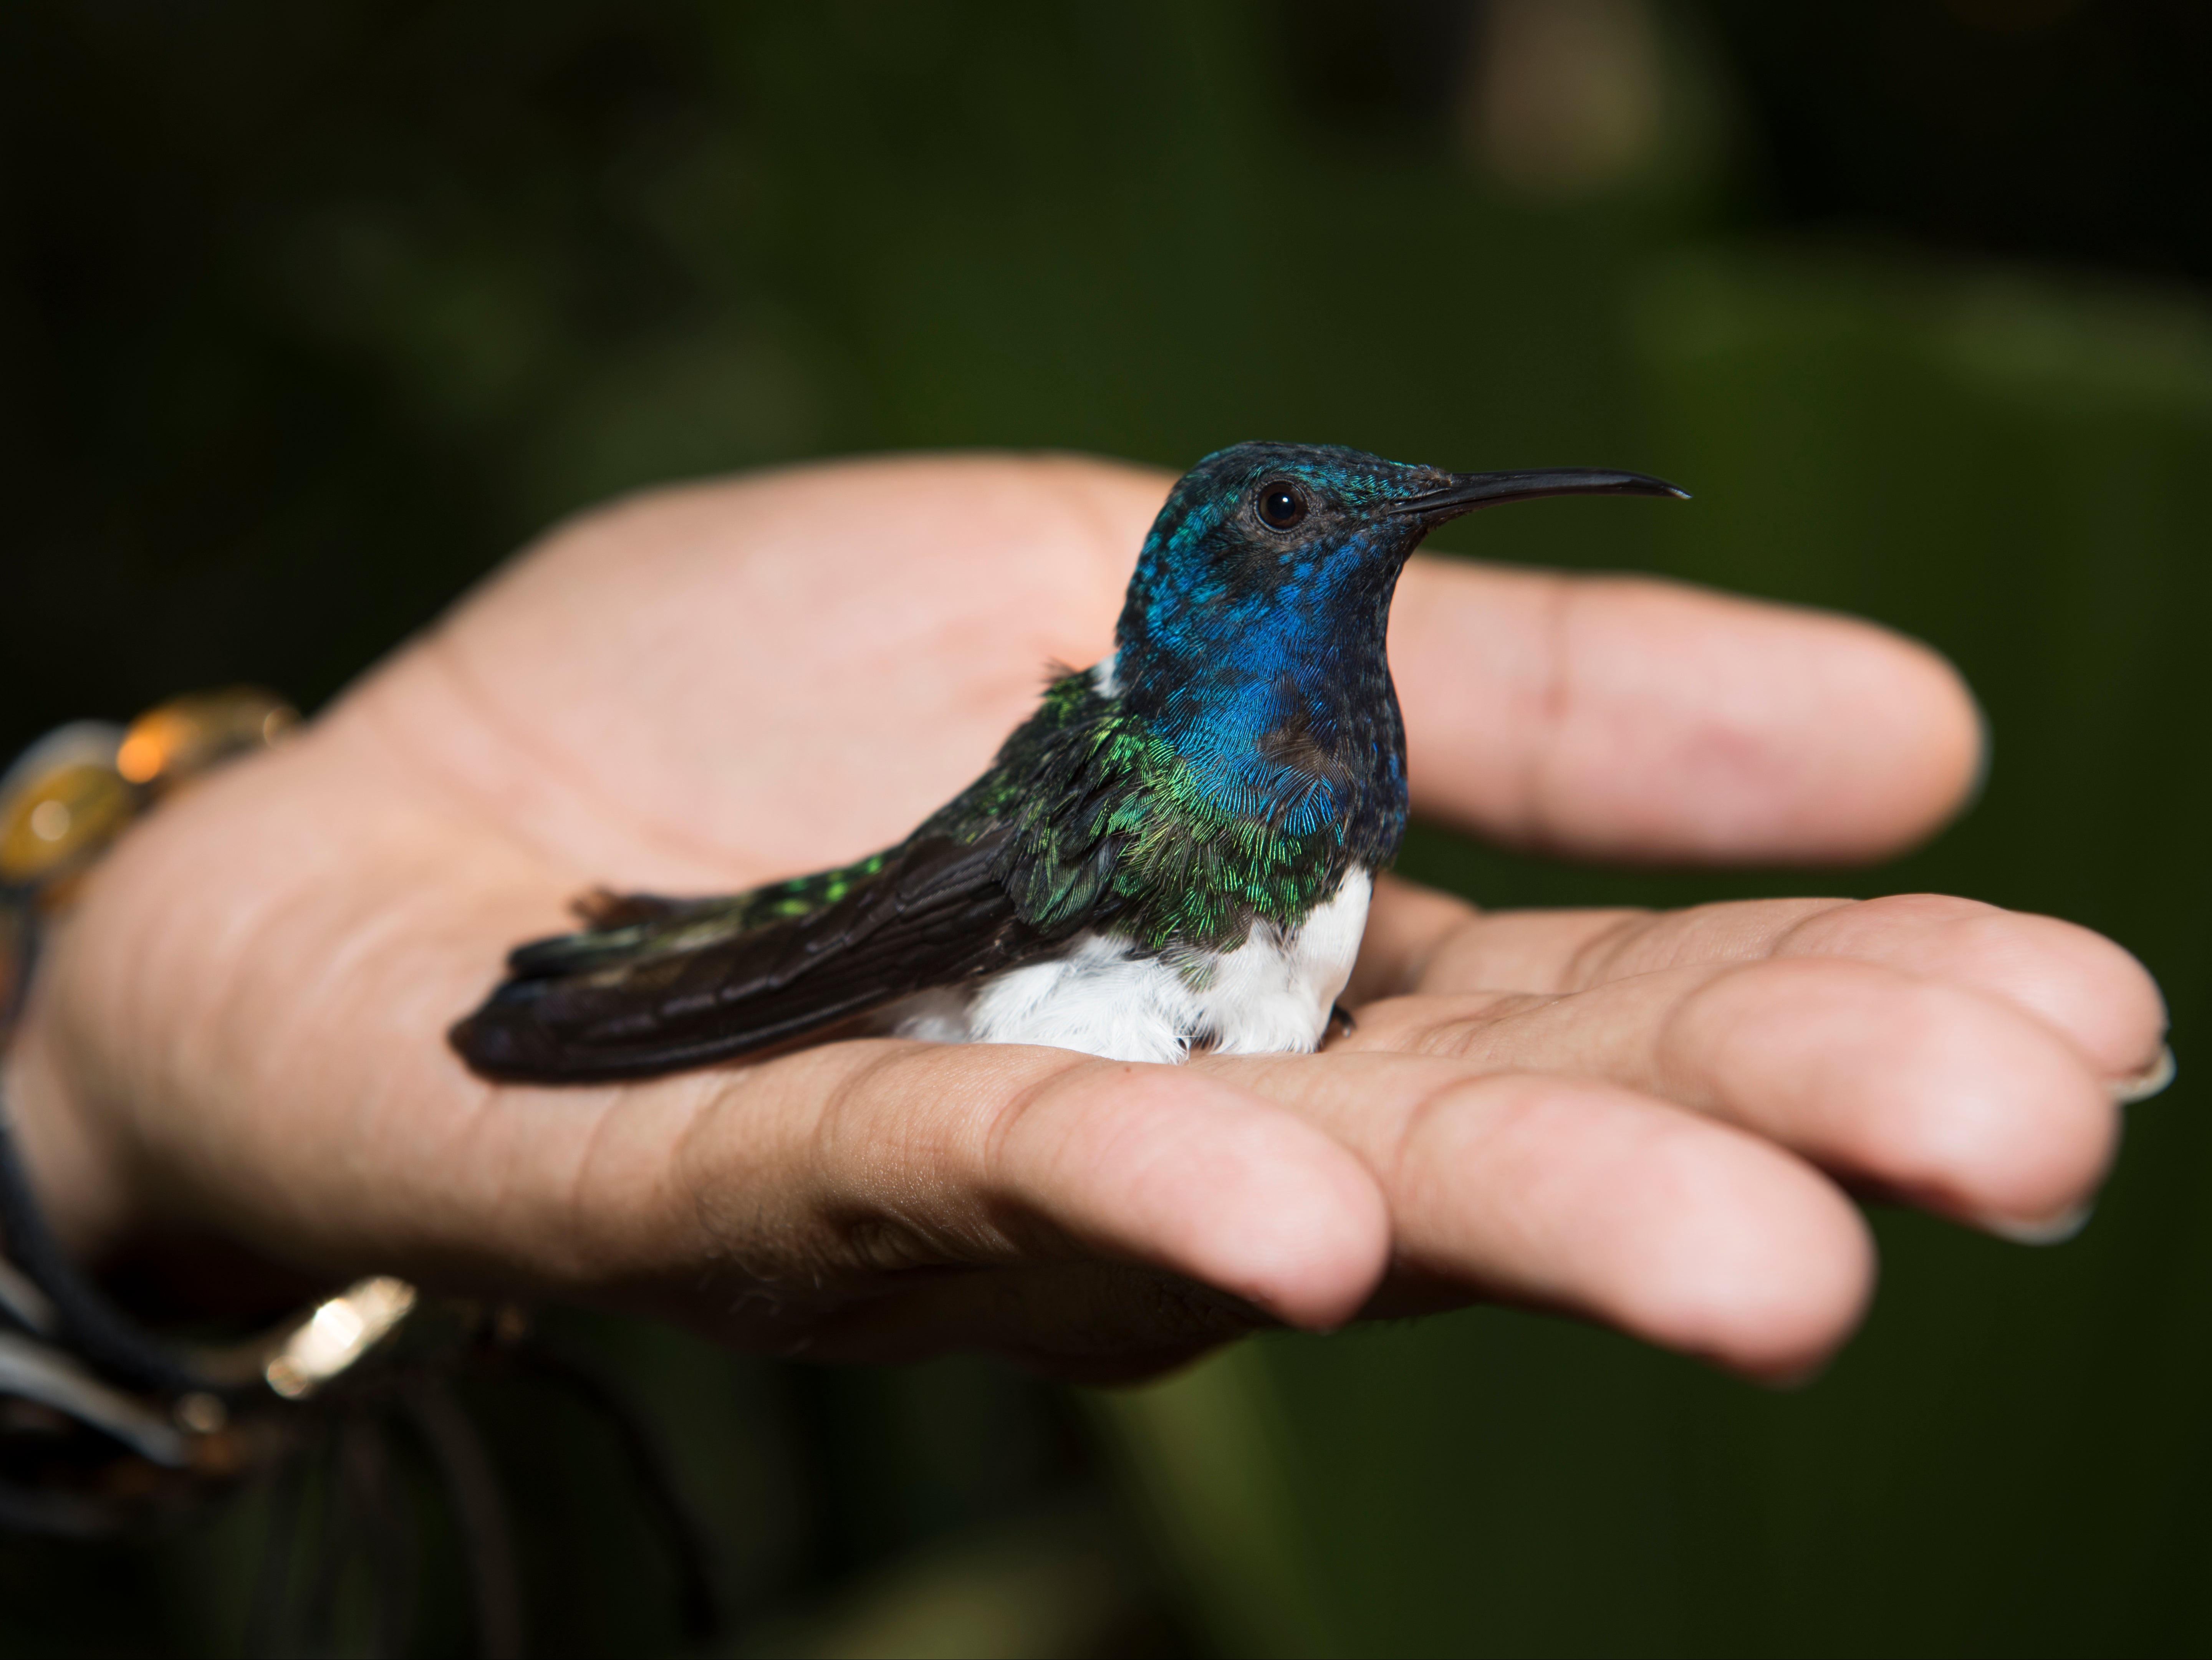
x=683, y=982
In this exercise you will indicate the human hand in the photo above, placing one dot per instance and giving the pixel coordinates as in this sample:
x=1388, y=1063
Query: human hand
x=239, y=1032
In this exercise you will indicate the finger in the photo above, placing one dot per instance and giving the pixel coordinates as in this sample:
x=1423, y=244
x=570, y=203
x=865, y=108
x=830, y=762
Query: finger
x=2079, y=983
x=2089, y=990
x=876, y=1157
x=1629, y=718
x=1577, y=1194
x=1953, y=1097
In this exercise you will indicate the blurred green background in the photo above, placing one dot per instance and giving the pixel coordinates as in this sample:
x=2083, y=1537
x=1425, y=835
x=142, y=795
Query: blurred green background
x=308, y=315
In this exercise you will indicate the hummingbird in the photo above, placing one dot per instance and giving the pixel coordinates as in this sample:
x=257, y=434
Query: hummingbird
x=1174, y=855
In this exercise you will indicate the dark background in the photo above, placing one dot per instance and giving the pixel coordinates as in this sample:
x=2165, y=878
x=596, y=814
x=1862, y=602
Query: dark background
x=309, y=315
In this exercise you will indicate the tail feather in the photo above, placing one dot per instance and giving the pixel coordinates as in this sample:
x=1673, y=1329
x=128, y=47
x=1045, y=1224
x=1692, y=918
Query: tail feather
x=687, y=981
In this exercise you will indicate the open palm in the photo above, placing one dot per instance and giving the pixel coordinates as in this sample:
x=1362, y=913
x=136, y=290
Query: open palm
x=1641, y=1118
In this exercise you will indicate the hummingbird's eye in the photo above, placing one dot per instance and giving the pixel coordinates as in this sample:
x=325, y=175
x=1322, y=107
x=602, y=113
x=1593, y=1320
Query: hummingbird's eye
x=1282, y=504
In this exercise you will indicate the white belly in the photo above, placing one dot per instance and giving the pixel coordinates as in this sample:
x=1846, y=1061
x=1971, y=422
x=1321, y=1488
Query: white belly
x=1272, y=993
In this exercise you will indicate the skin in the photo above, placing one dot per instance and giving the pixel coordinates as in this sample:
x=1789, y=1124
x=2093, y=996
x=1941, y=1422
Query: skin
x=1647, y=1120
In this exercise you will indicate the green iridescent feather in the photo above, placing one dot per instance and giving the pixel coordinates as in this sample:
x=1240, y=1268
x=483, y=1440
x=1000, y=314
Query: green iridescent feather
x=1108, y=822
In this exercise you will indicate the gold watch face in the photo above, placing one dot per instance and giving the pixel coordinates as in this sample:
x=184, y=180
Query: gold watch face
x=59, y=817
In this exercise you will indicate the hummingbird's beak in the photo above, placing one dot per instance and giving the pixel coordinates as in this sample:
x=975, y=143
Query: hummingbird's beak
x=1468, y=490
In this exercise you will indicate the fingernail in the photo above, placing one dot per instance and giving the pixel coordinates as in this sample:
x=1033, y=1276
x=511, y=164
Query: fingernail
x=2141, y=1086
x=2044, y=1230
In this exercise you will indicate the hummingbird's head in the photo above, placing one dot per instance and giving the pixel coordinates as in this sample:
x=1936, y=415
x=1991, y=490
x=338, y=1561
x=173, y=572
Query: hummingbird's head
x=1270, y=552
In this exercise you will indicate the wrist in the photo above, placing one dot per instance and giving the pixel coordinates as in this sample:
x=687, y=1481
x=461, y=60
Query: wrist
x=70, y=1159
x=63, y=806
